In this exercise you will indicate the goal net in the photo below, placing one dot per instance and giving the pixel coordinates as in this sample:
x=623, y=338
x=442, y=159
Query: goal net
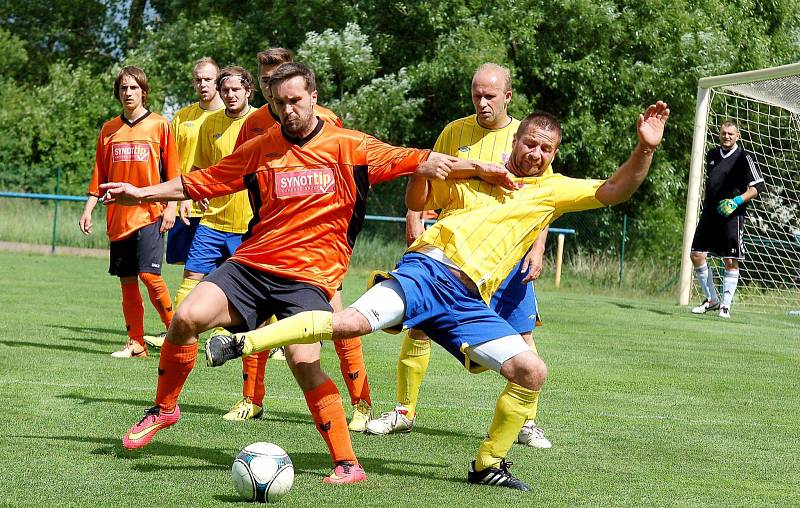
x=766, y=106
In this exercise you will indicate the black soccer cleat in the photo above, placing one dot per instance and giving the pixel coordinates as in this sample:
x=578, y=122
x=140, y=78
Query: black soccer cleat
x=221, y=348
x=496, y=476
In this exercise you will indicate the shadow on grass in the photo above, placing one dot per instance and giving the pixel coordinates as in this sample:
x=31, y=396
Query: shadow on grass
x=86, y=329
x=185, y=408
x=51, y=346
x=221, y=459
x=634, y=307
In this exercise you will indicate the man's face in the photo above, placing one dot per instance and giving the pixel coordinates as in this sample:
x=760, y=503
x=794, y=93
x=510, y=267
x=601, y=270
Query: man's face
x=490, y=98
x=130, y=93
x=204, y=80
x=728, y=136
x=234, y=95
x=264, y=73
x=294, y=105
x=533, y=151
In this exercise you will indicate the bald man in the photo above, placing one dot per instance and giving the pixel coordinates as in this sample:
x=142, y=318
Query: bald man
x=486, y=136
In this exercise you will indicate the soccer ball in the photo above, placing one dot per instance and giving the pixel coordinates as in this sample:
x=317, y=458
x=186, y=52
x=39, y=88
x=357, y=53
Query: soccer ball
x=262, y=472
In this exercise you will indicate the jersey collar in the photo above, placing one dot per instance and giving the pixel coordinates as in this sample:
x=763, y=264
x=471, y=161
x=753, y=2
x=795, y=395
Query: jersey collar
x=730, y=152
x=131, y=124
x=303, y=141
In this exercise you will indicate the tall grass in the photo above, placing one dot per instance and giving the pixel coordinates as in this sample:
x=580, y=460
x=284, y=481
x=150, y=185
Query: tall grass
x=29, y=221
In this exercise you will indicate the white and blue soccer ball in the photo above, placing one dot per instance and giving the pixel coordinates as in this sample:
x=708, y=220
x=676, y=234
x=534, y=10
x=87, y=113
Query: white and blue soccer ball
x=262, y=472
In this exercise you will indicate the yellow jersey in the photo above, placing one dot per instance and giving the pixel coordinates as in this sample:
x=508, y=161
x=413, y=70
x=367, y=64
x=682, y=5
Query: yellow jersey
x=186, y=127
x=485, y=230
x=216, y=140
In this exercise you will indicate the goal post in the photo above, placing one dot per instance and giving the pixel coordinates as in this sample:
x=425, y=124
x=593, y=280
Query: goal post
x=766, y=105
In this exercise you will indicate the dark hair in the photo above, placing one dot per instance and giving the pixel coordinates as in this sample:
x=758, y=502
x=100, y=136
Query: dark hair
x=236, y=71
x=291, y=70
x=138, y=75
x=543, y=120
x=274, y=56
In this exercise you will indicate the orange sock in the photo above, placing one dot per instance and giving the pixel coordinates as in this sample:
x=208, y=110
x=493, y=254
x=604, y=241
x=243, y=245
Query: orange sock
x=328, y=414
x=133, y=310
x=253, y=368
x=159, y=295
x=354, y=371
x=260, y=388
x=173, y=368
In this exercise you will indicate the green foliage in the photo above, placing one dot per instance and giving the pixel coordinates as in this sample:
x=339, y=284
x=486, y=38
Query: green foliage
x=400, y=70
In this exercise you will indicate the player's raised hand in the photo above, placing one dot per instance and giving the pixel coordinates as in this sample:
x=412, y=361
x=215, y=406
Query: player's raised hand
x=437, y=167
x=650, y=125
x=119, y=193
x=496, y=175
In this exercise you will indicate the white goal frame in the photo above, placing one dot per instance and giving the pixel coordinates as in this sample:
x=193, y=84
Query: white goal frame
x=699, y=148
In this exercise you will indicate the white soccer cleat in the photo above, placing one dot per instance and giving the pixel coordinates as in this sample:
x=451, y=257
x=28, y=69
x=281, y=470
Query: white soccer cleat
x=705, y=306
x=533, y=436
x=725, y=312
x=393, y=422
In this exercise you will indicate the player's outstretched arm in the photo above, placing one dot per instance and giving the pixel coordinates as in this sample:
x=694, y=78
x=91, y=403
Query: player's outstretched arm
x=128, y=195
x=624, y=182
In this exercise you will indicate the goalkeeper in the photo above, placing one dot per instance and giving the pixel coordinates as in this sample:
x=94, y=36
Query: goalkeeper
x=444, y=280
x=732, y=179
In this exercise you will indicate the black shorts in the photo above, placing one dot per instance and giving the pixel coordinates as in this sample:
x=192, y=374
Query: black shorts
x=259, y=295
x=143, y=251
x=719, y=236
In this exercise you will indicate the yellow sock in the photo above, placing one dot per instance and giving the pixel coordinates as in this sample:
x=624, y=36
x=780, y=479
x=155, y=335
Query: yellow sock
x=186, y=286
x=510, y=412
x=412, y=364
x=304, y=328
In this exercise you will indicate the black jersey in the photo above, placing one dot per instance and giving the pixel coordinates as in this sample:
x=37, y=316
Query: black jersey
x=729, y=174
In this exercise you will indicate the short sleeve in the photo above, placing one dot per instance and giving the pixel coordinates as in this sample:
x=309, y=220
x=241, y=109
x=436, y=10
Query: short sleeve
x=576, y=194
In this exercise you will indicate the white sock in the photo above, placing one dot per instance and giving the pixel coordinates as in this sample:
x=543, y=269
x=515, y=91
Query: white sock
x=729, y=284
x=706, y=280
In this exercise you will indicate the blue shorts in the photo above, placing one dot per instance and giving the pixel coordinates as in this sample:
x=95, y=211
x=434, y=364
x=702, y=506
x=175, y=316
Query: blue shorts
x=179, y=240
x=515, y=302
x=438, y=304
x=210, y=248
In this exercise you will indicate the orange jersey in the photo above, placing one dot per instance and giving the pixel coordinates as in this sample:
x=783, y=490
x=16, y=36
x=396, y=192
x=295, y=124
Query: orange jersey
x=310, y=197
x=141, y=153
x=263, y=119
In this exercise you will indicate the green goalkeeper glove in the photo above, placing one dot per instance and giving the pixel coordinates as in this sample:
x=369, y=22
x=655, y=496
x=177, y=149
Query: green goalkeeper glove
x=728, y=206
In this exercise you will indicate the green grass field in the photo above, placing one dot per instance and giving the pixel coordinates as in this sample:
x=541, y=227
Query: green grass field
x=646, y=404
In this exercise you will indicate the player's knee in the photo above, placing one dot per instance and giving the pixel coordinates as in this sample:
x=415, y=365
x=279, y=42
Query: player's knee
x=525, y=369
x=350, y=323
x=184, y=322
x=698, y=258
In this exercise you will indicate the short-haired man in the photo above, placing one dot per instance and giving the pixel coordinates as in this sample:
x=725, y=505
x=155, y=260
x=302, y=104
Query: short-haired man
x=351, y=356
x=309, y=182
x=225, y=218
x=732, y=180
x=487, y=136
x=445, y=280
x=186, y=126
x=136, y=147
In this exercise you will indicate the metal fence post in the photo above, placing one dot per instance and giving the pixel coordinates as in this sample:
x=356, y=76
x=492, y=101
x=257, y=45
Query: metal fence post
x=55, y=212
x=622, y=249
